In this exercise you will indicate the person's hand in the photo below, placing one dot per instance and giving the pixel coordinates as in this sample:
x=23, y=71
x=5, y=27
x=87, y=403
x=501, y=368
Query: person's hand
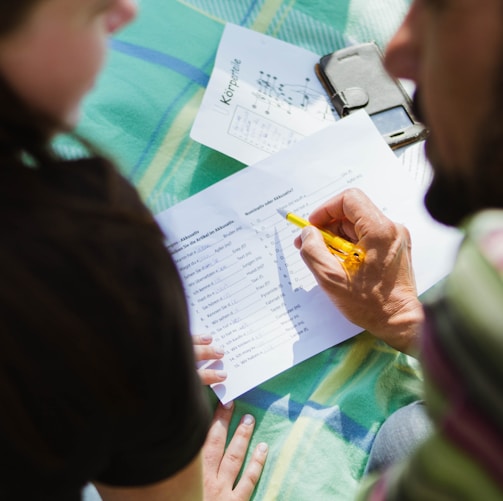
x=204, y=351
x=380, y=295
x=221, y=466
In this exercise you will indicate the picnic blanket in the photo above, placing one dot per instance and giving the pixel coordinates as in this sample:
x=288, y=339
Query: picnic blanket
x=320, y=417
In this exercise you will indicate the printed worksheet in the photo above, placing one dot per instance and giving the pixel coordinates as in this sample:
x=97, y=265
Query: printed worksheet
x=245, y=281
x=263, y=96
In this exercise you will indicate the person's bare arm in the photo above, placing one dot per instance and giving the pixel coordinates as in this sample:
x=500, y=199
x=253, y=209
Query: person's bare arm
x=216, y=468
x=186, y=485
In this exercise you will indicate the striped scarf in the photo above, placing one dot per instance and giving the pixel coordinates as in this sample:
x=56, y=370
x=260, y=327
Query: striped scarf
x=462, y=361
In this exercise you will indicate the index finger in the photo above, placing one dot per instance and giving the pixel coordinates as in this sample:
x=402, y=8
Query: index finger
x=251, y=474
x=351, y=206
x=214, y=446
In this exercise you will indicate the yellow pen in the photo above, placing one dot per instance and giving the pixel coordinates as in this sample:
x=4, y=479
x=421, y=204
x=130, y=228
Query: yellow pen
x=350, y=253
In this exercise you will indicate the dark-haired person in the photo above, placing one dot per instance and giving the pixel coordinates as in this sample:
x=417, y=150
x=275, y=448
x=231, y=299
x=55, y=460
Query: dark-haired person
x=97, y=369
x=453, y=50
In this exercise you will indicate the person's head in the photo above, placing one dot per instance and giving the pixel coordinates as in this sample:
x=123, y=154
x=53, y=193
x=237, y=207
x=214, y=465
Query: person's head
x=453, y=50
x=50, y=54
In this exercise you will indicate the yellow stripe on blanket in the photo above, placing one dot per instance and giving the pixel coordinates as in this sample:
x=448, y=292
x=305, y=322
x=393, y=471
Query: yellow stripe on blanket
x=168, y=149
x=288, y=450
x=201, y=11
x=268, y=13
x=344, y=372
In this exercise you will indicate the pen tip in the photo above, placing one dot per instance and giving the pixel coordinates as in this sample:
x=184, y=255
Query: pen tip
x=282, y=212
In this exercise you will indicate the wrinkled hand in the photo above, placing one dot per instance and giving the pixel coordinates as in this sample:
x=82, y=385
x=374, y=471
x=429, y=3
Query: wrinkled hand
x=221, y=466
x=380, y=295
x=204, y=351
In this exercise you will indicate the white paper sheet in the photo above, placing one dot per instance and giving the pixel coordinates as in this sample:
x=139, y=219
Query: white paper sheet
x=245, y=281
x=263, y=95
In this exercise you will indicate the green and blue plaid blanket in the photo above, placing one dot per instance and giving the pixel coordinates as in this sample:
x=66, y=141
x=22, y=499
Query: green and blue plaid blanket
x=321, y=416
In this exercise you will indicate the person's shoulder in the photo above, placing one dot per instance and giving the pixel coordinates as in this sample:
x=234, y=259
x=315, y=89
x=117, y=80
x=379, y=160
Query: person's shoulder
x=484, y=236
x=462, y=351
x=465, y=310
x=93, y=177
x=72, y=183
x=470, y=299
x=475, y=283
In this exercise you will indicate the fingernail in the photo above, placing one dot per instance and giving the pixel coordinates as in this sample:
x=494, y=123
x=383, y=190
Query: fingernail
x=218, y=350
x=221, y=374
x=229, y=405
x=206, y=338
x=248, y=419
x=263, y=447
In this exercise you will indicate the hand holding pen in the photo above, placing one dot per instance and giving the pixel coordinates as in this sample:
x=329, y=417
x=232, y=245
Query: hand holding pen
x=379, y=294
x=350, y=254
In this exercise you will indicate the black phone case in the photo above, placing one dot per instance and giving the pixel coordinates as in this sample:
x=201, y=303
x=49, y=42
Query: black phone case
x=355, y=78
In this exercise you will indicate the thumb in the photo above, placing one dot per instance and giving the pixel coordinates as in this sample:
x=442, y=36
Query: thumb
x=313, y=246
x=318, y=258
